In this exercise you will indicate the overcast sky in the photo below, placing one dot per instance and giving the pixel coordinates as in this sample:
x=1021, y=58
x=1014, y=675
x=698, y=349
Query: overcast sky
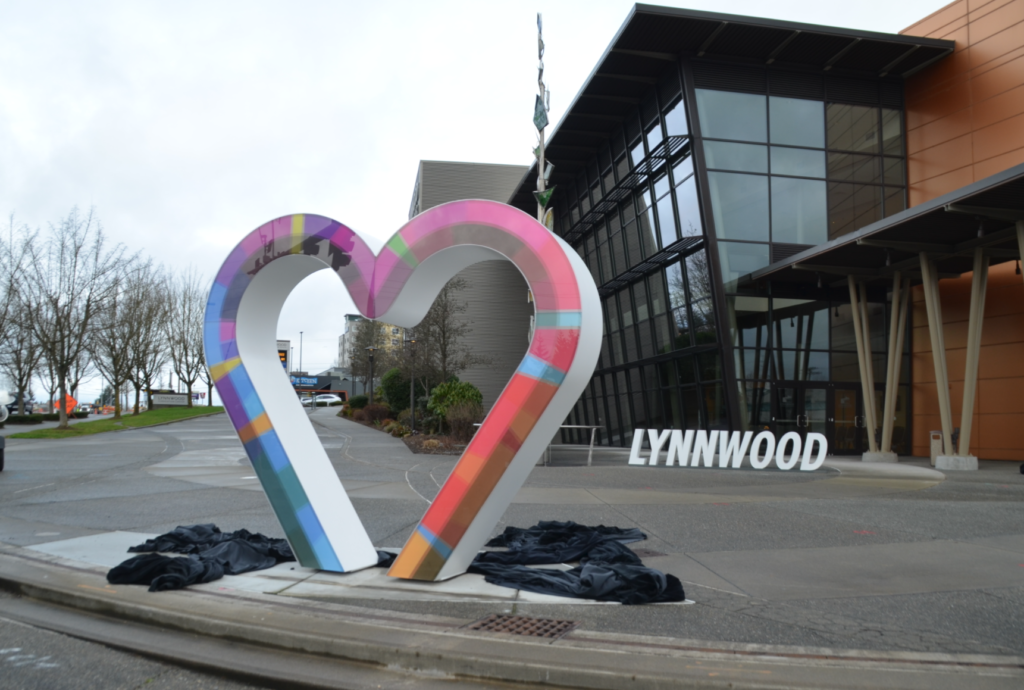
x=188, y=124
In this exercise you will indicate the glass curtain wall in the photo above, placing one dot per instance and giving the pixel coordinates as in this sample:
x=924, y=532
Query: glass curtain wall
x=785, y=173
x=786, y=342
x=634, y=216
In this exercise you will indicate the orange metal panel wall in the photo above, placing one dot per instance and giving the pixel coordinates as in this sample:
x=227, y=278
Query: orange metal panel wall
x=965, y=114
x=965, y=122
x=999, y=408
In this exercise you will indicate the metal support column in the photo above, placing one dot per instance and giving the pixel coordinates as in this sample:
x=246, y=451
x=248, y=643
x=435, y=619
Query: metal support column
x=864, y=362
x=979, y=286
x=872, y=396
x=897, y=332
x=1020, y=239
x=934, y=308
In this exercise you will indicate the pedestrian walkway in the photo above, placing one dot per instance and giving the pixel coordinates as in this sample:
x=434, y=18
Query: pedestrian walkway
x=856, y=575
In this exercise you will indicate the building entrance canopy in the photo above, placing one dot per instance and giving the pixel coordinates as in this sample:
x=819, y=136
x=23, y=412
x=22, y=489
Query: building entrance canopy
x=963, y=231
x=948, y=228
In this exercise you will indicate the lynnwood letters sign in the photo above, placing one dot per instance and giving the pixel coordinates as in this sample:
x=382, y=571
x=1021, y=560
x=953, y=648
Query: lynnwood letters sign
x=693, y=448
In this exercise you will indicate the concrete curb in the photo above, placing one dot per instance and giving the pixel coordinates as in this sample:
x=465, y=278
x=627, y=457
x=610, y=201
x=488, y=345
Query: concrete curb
x=432, y=646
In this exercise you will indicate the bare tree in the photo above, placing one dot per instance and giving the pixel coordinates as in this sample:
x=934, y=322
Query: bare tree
x=184, y=328
x=206, y=376
x=71, y=275
x=441, y=335
x=148, y=345
x=12, y=264
x=117, y=329
x=369, y=333
x=20, y=355
x=48, y=379
x=81, y=370
x=19, y=350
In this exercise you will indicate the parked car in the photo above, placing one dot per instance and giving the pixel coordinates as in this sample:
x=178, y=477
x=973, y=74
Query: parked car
x=322, y=400
x=12, y=407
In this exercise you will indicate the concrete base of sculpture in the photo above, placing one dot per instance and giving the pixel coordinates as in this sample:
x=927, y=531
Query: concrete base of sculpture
x=880, y=457
x=956, y=462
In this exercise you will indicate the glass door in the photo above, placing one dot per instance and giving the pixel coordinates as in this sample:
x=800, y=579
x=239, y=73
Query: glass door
x=802, y=408
x=835, y=410
x=847, y=422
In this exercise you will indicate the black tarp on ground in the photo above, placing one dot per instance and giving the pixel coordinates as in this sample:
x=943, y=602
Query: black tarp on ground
x=211, y=555
x=553, y=542
x=607, y=570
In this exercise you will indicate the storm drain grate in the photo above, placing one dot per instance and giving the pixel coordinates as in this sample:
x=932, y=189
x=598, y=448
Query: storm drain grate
x=524, y=625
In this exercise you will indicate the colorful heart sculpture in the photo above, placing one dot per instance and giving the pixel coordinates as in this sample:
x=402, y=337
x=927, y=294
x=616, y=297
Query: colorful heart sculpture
x=398, y=286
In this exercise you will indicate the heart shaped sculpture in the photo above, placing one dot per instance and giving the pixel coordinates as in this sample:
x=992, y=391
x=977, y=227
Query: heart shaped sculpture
x=398, y=286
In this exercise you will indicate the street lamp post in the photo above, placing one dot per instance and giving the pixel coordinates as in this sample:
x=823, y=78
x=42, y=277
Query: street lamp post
x=370, y=350
x=412, y=384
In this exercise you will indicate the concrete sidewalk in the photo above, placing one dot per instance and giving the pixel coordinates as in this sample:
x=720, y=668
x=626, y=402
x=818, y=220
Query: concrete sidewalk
x=856, y=575
x=430, y=647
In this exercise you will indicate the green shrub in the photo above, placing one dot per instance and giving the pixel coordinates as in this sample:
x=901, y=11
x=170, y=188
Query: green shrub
x=337, y=403
x=24, y=419
x=376, y=412
x=452, y=393
x=358, y=402
x=396, y=429
x=395, y=388
x=55, y=416
x=462, y=418
x=428, y=424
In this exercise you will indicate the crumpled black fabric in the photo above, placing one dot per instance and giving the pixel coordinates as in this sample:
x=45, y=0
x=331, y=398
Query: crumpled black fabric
x=607, y=570
x=211, y=555
x=164, y=572
x=553, y=542
x=199, y=538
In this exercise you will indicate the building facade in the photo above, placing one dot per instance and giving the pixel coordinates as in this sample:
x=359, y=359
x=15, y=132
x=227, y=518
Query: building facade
x=497, y=307
x=393, y=339
x=965, y=122
x=748, y=194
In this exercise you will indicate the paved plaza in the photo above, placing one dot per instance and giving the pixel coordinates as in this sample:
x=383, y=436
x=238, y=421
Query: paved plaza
x=878, y=563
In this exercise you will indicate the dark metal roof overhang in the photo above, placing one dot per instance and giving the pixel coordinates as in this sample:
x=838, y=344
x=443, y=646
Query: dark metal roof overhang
x=653, y=38
x=948, y=228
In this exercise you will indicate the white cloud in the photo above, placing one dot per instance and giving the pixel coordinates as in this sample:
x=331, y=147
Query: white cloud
x=188, y=124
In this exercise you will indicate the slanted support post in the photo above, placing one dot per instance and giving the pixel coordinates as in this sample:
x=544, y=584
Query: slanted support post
x=979, y=286
x=864, y=363
x=933, y=306
x=869, y=362
x=897, y=333
x=1020, y=240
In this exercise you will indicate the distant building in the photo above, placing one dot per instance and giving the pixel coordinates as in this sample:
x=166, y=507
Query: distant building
x=394, y=336
x=497, y=295
x=284, y=352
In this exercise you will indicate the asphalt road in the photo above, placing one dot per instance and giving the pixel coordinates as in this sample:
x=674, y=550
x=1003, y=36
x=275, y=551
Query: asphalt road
x=36, y=659
x=770, y=557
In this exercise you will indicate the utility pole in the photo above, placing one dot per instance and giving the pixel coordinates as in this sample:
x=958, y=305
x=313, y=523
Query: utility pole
x=412, y=384
x=300, y=351
x=370, y=351
x=541, y=106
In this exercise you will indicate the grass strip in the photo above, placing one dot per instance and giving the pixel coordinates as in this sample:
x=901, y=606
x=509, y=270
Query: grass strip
x=144, y=419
